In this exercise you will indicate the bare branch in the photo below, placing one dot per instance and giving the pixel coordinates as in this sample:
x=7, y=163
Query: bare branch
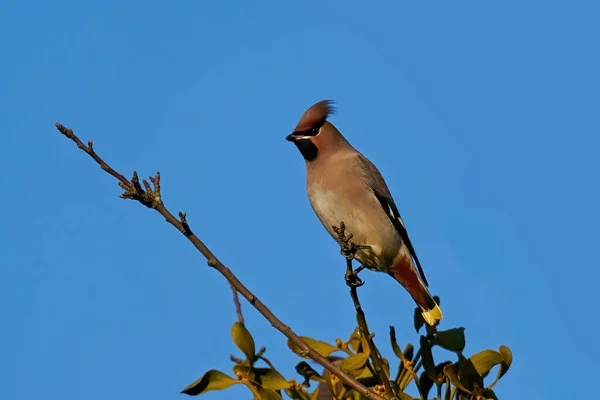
x=150, y=197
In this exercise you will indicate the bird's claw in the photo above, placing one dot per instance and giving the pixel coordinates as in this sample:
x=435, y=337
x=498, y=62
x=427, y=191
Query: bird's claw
x=348, y=254
x=352, y=278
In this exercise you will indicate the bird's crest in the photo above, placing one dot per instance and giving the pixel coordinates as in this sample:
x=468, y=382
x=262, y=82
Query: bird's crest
x=316, y=114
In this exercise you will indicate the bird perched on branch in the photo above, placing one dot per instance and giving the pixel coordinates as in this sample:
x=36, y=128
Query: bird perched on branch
x=343, y=185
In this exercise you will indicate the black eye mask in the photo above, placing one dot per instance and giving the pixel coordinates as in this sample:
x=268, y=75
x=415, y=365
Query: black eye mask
x=314, y=131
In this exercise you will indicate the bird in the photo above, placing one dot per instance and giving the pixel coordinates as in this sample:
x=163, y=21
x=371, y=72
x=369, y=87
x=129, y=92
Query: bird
x=345, y=186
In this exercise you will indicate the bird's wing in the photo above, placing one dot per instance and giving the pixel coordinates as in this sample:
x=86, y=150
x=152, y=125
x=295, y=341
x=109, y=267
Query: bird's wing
x=377, y=184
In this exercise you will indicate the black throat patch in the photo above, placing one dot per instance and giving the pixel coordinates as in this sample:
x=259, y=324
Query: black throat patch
x=308, y=149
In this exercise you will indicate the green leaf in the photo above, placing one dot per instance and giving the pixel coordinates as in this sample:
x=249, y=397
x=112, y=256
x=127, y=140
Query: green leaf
x=395, y=346
x=448, y=392
x=386, y=366
x=409, y=352
x=245, y=371
x=269, y=378
x=439, y=372
x=357, y=361
x=304, y=369
x=485, y=360
x=451, y=371
x=452, y=339
x=366, y=377
x=268, y=394
x=324, y=349
x=505, y=365
x=211, y=380
x=352, y=395
x=426, y=384
x=241, y=370
x=418, y=319
x=364, y=348
x=406, y=378
x=468, y=374
x=354, y=340
x=243, y=340
x=427, y=357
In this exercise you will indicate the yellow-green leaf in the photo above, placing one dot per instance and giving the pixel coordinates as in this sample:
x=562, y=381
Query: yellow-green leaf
x=504, y=365
x=505, y=351
x=468, y=375
x=269, y=378
x=243, y=340
x=356, y=361
x=451, y=371
x=365, y=377
x=406, y=378
x=241, y=370
x=211, y=380
x=426, y=383
x=394, y=343
x=485, y=360
x=354, y=340
x=365, y=347
x=427, y=357
x=386, y=367
x=452, y=339
x=324, y=349
x=409, y=352
x=419, y=321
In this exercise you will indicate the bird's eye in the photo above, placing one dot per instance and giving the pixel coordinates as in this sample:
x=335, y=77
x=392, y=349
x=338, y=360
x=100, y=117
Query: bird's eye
x=314, y=130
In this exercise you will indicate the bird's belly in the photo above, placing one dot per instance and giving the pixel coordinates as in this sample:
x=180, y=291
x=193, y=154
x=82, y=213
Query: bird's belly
x=381, y=243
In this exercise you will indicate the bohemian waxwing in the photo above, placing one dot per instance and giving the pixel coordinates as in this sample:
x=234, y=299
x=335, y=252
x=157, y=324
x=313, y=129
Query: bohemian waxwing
x=343, y=185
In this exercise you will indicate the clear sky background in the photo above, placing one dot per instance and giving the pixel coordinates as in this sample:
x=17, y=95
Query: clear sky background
x=481, y=115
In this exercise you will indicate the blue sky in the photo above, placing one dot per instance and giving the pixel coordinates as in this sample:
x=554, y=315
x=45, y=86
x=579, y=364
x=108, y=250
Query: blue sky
x=481, y=115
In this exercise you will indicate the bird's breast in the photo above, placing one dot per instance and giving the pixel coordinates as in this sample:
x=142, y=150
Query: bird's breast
x=365, y=220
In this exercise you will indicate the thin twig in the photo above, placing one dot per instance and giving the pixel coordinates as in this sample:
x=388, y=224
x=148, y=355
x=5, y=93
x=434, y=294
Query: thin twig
x=349, y=250
x=238, y=306
x=151, y=198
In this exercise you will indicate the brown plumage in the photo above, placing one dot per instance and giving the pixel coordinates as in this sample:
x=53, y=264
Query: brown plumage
x=316, y=114
x=343, y=185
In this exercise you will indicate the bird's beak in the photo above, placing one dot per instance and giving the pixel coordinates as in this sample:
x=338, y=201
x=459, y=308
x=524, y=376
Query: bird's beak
x=296, y=136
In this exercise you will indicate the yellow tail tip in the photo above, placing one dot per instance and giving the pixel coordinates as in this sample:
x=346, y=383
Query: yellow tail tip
x=433, y=316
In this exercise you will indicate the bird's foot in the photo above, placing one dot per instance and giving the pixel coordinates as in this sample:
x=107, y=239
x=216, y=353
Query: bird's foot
x=350, y=250
x=352, y=278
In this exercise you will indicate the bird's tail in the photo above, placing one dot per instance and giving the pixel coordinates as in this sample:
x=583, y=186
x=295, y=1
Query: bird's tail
x=406, y=274
x=433, y=315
